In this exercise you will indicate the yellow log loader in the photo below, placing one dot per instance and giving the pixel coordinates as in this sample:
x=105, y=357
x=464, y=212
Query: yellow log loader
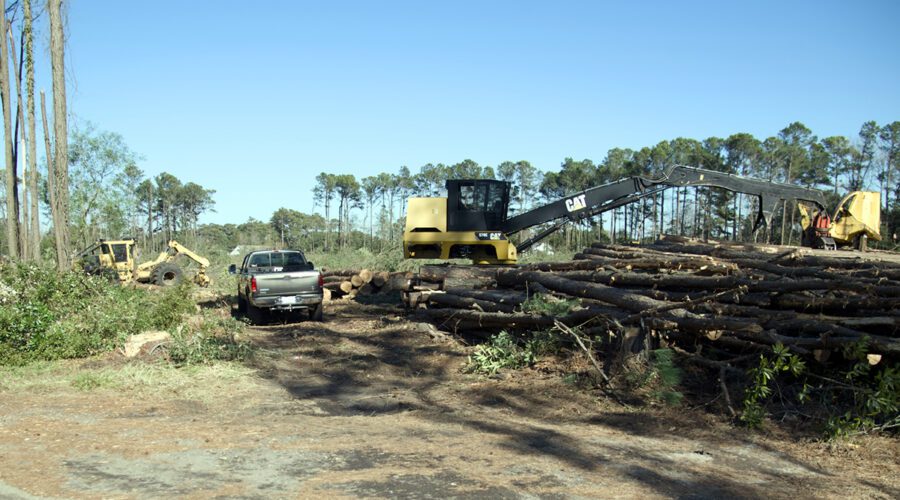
x=116, y=259
x=471, y=222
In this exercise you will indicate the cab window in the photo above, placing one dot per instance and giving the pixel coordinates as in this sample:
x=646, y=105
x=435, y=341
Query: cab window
x=259, y=260
x=120, y=252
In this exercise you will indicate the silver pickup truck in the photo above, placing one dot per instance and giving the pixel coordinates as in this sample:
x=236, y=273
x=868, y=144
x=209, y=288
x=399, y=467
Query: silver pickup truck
x=278, y=280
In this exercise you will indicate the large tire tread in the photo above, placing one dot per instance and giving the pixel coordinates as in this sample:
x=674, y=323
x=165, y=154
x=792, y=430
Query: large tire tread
x=168, y=274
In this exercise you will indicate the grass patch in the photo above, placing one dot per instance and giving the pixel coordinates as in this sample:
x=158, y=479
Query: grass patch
x=208, y=338
x=136, y=378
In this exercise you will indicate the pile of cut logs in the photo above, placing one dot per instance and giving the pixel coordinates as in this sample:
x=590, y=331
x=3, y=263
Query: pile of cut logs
x=348, y=284
x=711, y=303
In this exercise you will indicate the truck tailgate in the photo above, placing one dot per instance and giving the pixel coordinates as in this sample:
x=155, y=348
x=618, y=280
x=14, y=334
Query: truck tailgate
x=293, y=283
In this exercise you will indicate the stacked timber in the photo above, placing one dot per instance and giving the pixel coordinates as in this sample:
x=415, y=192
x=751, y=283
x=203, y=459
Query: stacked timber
x=711, y=303
x=348, y=283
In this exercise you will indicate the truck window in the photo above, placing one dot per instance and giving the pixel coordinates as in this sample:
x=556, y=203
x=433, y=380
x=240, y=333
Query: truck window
x=277, y=262
x=291, y=261
x=259, y=260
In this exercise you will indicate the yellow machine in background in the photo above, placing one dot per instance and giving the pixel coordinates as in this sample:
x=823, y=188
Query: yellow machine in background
x=856, y=220
x=116, y=259
x=426, y=237
x=471, y=222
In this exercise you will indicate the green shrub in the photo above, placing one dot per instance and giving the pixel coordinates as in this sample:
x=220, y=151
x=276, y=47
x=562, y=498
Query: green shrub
x=659, y=376
x=759, y=390
x=871, y=395
x=548, y=305
x=214, y=339
x=855, y=397
x=47, y=315
x=667, y=376
x=505, y=351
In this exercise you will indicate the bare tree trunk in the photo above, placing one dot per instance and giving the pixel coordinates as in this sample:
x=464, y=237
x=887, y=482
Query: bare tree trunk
x=676, y=227
x=30, y=129
x=662, y=214
x=785, y=211
x=51, y=170
x=612, y=226
x=12, y=188
x=706, y=215
x=61, y=133
x=391, y=217
x=696, y=220
x=150, y=219
x=24, y=229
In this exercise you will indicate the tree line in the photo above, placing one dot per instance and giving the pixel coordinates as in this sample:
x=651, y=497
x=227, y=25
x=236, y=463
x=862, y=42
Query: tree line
x=111, y=197
x=89, y=184
x=369, y=212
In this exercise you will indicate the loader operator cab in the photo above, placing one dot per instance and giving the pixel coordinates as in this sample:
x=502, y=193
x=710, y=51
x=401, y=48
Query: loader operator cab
x=111, y=258
x=478, y=204
x=466, y=224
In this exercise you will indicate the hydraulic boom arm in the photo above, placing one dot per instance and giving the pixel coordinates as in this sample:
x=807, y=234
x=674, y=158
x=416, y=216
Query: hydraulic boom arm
x=603, y=198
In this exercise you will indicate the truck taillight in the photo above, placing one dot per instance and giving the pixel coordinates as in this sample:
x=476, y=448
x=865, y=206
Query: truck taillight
x=253, y=284
x=321, y=280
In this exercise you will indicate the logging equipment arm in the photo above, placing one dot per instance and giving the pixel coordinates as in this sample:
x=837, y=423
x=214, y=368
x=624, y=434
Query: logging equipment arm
x=599, y=199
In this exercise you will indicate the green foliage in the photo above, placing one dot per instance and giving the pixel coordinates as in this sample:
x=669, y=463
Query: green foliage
x=667, y=376
x=213, y=339
x=506, y=351
x=660, y=375
x=868, y=399
x=755, y=396
x=46, y=315
x=548, y=305
x=875, y=396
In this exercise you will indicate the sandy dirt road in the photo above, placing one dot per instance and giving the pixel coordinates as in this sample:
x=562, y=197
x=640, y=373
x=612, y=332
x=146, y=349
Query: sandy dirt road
x=367, y=404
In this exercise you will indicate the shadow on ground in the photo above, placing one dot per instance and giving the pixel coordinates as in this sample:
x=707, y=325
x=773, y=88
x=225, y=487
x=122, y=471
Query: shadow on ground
x=365, y=360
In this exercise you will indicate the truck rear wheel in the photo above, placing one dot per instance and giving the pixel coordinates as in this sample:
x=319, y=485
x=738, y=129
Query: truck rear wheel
x=254, y=314
x=241, y=303
x=167, y=274
x=317, y=313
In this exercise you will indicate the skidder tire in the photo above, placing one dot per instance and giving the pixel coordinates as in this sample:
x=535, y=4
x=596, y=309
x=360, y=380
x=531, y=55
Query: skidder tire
x=167, y=274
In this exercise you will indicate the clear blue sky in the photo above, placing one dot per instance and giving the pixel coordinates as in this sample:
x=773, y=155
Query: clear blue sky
x=253, y=99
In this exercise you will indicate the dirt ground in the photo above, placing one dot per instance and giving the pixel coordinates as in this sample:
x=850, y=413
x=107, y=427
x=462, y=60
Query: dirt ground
x=368, y=404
